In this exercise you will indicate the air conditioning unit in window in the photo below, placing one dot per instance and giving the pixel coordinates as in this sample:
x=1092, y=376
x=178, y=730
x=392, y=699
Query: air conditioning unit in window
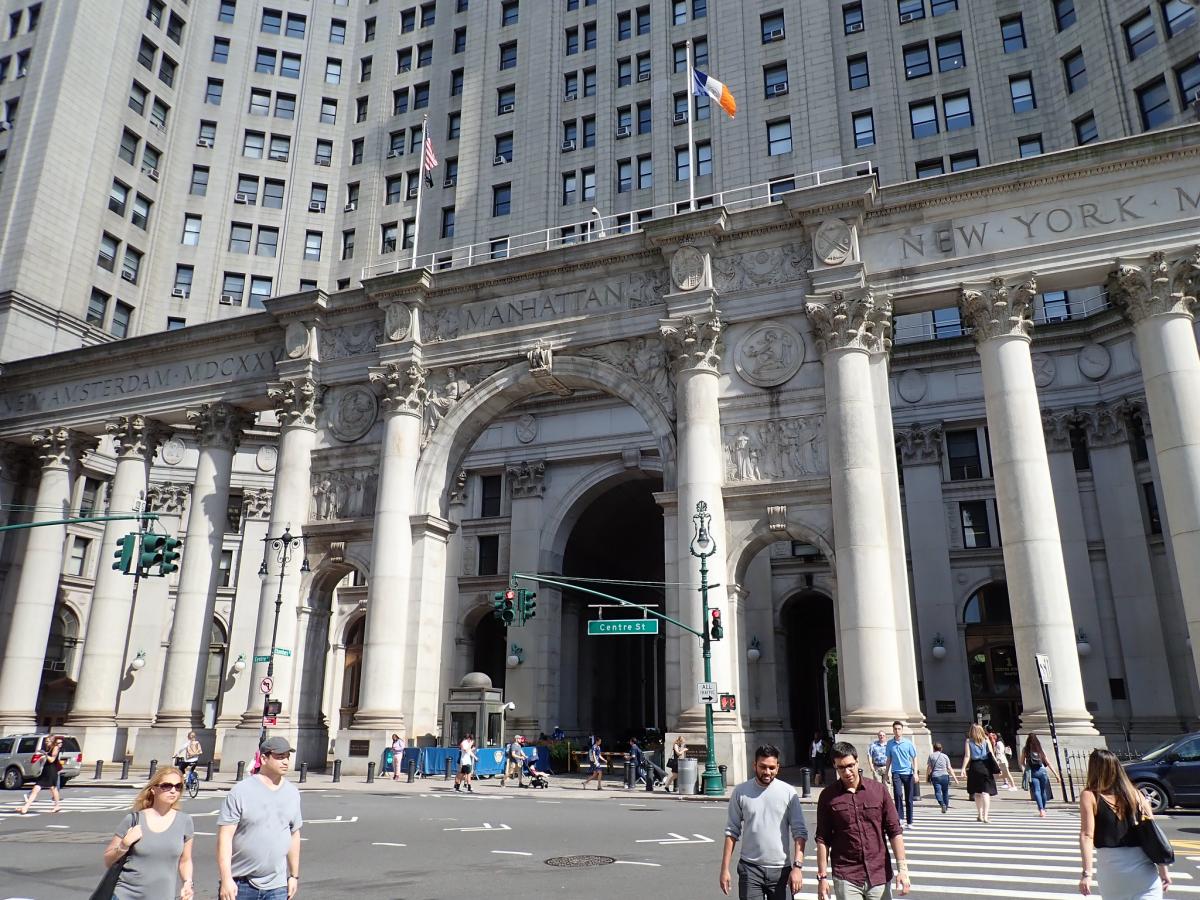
x=411, y=193
x=623, y=131
x=570, y=96
x=680, y=118
x=567, y=146
x=907, y=17
x=181, y=293
x=395, y=153
x=643, y=76
x=316, y=206
x=227, y=300
x=351, y=206
x=243, y=199
x=775, y=34
x=153, y=173
x=854, y=28
x=450, y=182
x=322, y=161
x=778, y=89
x=204, y=142
x=279, y=156
x=130, y=277
x=507, y=108
x=21, y=73
x=499, y=160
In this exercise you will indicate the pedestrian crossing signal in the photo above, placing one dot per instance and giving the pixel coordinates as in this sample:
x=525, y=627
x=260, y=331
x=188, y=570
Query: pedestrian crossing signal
x=728, y=703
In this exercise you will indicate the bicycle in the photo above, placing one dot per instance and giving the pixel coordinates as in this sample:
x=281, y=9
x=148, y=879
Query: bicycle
x=191, y=781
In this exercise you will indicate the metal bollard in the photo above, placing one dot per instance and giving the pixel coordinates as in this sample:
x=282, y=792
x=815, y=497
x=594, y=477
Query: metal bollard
x=153, y=766
x=630, y=776
x=125, y=769
x=650, y=780
x=722, y=770
x=99, y=769
x=412, y=770
x=371, y=772
x=208, y=771
x=449, y=769
x=303, y=772
x=805, y=782
x=241, y=770
x=337, y=771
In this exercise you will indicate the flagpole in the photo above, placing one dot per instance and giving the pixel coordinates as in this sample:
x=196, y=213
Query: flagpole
x=420, y=191
x=691, y=95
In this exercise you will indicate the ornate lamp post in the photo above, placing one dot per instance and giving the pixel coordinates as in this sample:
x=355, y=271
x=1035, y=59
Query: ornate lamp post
x=284, y=547
x=702, y=547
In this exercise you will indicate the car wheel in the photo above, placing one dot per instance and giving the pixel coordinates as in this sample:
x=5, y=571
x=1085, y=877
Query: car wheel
x=13, y=779
x=1155, y=795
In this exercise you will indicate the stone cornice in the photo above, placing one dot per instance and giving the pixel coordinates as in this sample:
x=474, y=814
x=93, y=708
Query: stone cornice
x=999, y=309
x=1156, y=286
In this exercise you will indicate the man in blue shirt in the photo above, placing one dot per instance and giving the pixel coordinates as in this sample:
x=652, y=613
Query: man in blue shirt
x=902, y=753
x=878, y=755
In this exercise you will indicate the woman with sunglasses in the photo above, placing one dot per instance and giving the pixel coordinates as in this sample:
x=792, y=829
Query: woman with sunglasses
x=155, y=840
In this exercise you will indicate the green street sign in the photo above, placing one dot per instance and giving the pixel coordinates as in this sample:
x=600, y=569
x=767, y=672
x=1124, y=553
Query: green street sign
x=623, y=626
x=281, y=651
x=262, y=659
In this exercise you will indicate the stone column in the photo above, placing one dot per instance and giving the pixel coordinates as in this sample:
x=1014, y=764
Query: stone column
x=219, y=428
x=1159, y=297
x=296, y=402
x=386, y=639
x=946, y=679
x=12, y=469
x=694, y=352
x=37, y=588
x=894, y=518
x=1033, y=558
x=844, y=326
x=135, y=440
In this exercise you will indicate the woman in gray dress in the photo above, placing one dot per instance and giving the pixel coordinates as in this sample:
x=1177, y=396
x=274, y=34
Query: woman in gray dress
x=156, y=841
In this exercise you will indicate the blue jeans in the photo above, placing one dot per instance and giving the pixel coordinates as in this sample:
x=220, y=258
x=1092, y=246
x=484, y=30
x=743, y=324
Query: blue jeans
x=248, y=892
x=941, y=789
x=902, y=794
x=1039, y=786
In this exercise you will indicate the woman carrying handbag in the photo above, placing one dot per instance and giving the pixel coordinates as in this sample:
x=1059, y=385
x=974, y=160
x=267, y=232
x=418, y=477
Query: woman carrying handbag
x=49, y=776
x=979, y=767
x=150, y=856
x=1116, y=824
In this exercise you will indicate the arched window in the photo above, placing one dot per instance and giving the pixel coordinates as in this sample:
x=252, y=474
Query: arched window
x=352, y=681
x=64, y=638
x=992, y=659
x=218, y=654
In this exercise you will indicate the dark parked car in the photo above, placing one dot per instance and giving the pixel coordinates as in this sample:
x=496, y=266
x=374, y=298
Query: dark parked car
x=1169, y=775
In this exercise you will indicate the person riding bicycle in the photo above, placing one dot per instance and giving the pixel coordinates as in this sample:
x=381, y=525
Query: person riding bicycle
x=187, y=757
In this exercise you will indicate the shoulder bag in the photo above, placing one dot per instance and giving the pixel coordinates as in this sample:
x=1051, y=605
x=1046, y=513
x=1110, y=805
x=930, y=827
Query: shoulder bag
x=108, y=884
x=1154, y=843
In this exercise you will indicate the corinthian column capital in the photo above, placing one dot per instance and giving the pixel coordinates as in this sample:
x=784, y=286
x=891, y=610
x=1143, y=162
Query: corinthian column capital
x=692, y=344
x=1156, y=287
x=1106, y=424
x=136, y=435
x=851, y=320
x=920, y=445
x=219, y=425
x=1057, y=425
x=296, y=401
x=403, y=387
x=56, y=446
x=999, y=309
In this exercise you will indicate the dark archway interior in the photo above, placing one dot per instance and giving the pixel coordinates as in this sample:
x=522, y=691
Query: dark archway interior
x=621, y=678
x=490, y=650
x=812, y=693
x=992, y=661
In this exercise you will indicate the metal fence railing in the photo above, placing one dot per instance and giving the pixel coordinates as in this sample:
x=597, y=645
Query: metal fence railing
x=909, y=332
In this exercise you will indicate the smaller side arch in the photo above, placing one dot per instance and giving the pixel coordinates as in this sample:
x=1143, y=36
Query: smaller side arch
x=748, y=537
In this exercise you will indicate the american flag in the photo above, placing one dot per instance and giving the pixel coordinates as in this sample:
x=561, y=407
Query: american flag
x=428, y=161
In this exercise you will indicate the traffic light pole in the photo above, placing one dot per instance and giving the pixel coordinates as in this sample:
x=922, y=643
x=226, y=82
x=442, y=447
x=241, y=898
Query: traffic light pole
x=140, y=517
x=712, y=775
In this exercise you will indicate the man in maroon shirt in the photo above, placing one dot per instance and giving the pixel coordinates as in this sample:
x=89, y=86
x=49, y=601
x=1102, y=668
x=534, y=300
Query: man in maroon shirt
x=853, y=819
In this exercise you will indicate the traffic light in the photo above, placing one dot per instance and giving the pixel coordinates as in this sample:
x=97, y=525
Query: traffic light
x=151, y=553
x=170, y=553
x=717, y=632
x=508, y=607
x=527, y=603
x=498, y=605
x=126, y=545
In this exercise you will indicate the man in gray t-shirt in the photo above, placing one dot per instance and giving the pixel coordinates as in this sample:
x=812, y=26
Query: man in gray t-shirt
x=258, y=831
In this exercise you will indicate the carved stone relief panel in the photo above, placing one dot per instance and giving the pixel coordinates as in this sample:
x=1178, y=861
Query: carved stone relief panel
x=769, y=354
x=778, y=449
x=350, y=340
x=351, y=412
x=343, y=493
x=646, y=360
x=758, y=268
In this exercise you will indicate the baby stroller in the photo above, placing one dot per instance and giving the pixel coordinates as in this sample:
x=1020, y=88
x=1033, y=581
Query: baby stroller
x=537, y=778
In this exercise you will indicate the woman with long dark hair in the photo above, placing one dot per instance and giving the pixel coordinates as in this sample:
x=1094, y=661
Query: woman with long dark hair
x=1109, y=809
x=1034, y=758
x=49, y=776
x=981, y=784
x=156, y=841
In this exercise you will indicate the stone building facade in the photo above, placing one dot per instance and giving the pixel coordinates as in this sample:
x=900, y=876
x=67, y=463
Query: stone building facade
x=940, y=427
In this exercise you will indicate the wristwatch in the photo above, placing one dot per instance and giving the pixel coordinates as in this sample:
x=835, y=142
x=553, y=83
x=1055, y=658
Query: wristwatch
x=798, y=864
x=821, y=877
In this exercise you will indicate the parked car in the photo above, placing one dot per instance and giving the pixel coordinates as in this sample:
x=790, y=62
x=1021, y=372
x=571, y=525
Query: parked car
x=21, y=758
x=1169, y=775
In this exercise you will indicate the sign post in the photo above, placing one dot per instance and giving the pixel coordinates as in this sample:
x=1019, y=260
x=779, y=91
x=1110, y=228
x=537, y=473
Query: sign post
x=1044, y=678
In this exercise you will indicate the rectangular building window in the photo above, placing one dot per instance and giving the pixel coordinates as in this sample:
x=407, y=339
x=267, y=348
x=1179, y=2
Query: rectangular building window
x=489, y=554
x=911, y=10
x=1085, y=129
x=957, y=111
x=1064, y=14
x=975, y=531
x=858, y=72
x=916, y=61
x=779, y=137
x=1029, y=145
x=501, y=199
x=864, y=129
x=950, y=53
x=1020, y=88
x=927, y=168
x=97, y=308
x=490, y=489
x=1177, y=15
x=122, y=316
x=852, y=18
x=1154, y=104
x=961, y=161
x=1153, y=519
x=923, y=118
x=1075, y=71
x=1012, y=32
x=962, y=454
x=1140, y=35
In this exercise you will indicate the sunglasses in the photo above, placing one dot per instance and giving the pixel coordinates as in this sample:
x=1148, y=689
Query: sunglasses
x=170, y=786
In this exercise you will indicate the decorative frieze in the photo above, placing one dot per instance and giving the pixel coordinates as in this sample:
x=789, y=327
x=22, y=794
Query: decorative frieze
x=256, y=504
x=296, y=400
x=169, y=497
x=643, y=359
x=775, y=450
x=693, y=344
x=850, y=320
x=999, y=309
x=219, y=425
x=350, y=340
x=343, y=493
x=920, y=445
x=762, y=268
x=1157, y=287
x=135, y=435
x=526, y=478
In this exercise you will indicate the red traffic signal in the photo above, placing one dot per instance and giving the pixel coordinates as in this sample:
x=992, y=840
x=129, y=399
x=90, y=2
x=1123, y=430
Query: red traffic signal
x=716, y=632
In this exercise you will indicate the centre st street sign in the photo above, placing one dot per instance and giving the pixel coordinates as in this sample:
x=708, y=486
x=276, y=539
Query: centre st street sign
x=623, y=626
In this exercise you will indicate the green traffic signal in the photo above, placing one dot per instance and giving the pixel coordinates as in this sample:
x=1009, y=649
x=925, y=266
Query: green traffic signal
x=166, y=560
x=151, y=553
x=126, y=545
x=528, y=604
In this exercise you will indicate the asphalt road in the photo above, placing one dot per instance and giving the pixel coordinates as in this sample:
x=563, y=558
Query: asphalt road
x=424, y=842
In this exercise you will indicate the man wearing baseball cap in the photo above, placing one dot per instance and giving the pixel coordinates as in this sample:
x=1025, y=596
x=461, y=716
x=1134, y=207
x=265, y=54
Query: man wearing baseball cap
x=514, y=762
x=258, y=831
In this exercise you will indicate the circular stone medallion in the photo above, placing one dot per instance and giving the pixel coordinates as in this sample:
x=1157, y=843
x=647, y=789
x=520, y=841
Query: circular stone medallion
x=295, y=340
x=172, y=451
x=687, y=268
x=527, y=428
x=353, y=414
x=769, y=354
x=266, y=458
x=1094, y=361
x=833, y=241
x=911, y=386
x=1044, y=369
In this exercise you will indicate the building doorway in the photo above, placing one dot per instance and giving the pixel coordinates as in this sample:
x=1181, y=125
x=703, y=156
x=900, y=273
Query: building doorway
x=814, y=700
x=992, y=661
x=490, y=649
x=618, y=685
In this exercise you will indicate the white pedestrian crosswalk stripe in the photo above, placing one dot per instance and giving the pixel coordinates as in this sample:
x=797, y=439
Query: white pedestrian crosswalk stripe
x=81, y=803
x=1016, y=855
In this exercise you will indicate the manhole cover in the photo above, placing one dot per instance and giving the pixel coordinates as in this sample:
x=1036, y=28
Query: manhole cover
x=579, y=862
